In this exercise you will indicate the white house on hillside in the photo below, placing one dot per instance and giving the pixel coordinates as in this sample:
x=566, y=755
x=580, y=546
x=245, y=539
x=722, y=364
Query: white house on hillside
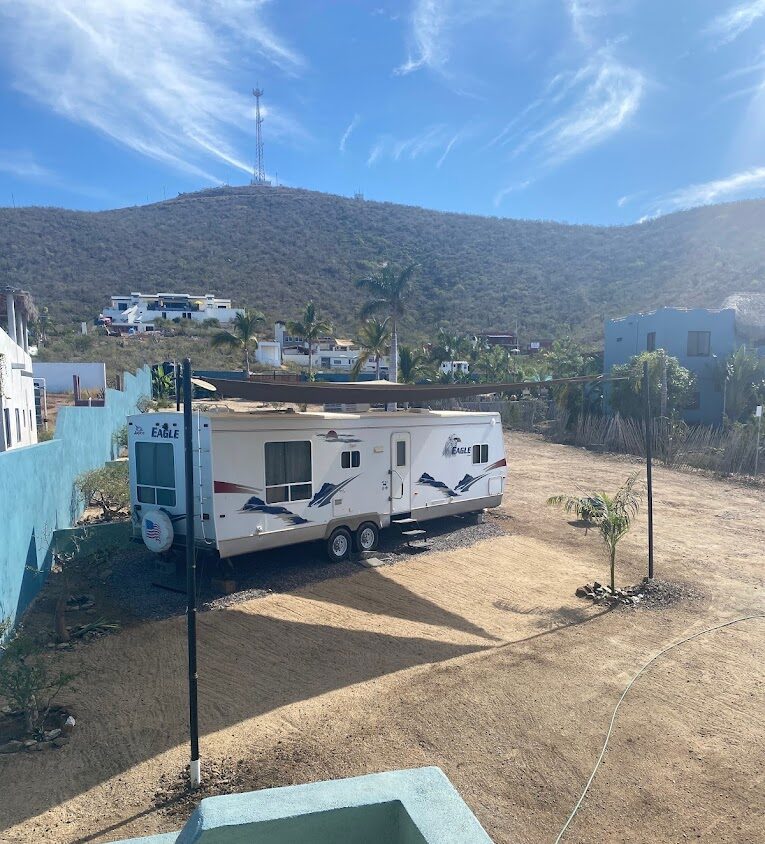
x=17, y=395
x=328, y=353
x=140, y=309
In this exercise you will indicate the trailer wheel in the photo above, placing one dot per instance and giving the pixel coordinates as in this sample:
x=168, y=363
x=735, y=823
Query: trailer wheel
x=339, y=544
x=367, y=537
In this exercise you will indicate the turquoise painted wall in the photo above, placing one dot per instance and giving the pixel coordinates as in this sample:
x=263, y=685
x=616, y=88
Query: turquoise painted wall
x=37, y=488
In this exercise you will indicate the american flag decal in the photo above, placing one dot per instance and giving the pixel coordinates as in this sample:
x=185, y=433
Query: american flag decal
x=152, y=531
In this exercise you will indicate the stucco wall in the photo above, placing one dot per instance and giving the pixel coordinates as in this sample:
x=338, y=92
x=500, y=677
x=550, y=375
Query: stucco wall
x=626, y=337
x=58, y=376
x=37, y=488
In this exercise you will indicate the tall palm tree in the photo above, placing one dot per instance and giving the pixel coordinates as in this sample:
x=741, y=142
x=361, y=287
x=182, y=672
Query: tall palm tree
x=413, y=364
x=611, y=514
x=241, y=335
x=311, y=327
x=389, y=289
x=374, y=336
x=743, y=381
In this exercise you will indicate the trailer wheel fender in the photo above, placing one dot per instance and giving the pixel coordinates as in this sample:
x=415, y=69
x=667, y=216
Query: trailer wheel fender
x=367, y=536
x=339, y=544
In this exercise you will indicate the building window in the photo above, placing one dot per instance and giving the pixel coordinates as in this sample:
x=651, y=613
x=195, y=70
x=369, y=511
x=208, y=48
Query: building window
x=288, y=471
x=18, y=425
x=350, y=459
x=122, y=306
x=8, y=436
x=325, y=362
x=698, y=344
x=155, y=473
x=481, y=453
x=650, y=341
x=401, y=453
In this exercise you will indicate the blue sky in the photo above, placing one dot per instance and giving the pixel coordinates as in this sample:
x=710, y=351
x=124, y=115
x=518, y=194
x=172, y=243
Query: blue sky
x=590, y=111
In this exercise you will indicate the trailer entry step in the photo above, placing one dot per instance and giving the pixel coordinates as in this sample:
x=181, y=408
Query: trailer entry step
x=413, y=533
x=406, y=521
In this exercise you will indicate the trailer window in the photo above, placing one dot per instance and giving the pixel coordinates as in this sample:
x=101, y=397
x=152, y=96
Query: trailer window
x=481, y=453
x=155, y=473
x=288, y=471
x=401, y=453
x=350, y=459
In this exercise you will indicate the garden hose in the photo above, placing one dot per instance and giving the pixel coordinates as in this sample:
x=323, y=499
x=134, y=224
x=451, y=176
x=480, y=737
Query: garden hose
x=624, y=694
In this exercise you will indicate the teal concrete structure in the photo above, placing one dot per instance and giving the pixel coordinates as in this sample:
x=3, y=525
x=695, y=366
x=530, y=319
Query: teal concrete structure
x=37, y=495
x=418, y=806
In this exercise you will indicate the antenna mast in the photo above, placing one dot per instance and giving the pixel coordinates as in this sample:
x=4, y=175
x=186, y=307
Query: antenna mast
x=258, y=171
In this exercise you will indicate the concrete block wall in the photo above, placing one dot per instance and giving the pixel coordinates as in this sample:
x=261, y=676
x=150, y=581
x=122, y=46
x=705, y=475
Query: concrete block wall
x=37, y=494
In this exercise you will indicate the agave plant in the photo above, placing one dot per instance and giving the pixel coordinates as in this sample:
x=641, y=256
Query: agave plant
x=611, y=514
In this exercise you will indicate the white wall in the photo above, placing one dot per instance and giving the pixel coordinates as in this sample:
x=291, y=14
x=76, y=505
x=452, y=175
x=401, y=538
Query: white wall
x=58, y=376
x=340, y=361
x=17, y=396
x=269, y=352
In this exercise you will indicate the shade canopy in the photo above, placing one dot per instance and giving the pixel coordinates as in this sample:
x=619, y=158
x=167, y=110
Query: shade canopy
x=380, y=392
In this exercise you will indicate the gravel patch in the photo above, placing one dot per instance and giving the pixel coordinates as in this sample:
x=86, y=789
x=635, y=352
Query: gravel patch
x=135, y=583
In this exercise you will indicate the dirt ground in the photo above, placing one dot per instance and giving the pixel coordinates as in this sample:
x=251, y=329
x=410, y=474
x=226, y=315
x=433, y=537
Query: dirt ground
x=478, y=659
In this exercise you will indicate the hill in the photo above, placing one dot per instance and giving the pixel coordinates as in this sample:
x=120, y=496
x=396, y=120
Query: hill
x=275, y=248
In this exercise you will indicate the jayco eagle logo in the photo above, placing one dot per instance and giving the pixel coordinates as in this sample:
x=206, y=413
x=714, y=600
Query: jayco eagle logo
x=164, y=432
x=452, y=446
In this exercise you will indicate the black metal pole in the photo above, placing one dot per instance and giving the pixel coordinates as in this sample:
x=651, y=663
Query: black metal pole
x=191, y=575
x=648, y=462
x=177, y=373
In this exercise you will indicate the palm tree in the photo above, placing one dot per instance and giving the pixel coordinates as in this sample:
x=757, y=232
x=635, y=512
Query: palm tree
x=242, y=335
x=413, y=364
x=389, y=290
x=743, y=377
x=611, y=514
x=494, y=364
x=374, y=335
x=311, y=327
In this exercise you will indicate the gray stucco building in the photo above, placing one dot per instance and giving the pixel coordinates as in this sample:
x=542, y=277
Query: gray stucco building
x=699, y=338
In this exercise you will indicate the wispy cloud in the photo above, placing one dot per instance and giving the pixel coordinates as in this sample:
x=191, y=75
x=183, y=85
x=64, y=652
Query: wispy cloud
x=437, y=26
x=727, y=26
x=22, y=165
x=598, y=100
x=151, y=74
x=347, y=134
x=500, y=195
x=578, y=110
x=455, y=139
x=735, y=186
x=627, y=199
x=437, y=137
x=583, y=13
x=428, y=31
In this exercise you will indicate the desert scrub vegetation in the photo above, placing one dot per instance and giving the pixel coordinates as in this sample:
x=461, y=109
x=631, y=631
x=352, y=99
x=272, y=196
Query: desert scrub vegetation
x=107, y=488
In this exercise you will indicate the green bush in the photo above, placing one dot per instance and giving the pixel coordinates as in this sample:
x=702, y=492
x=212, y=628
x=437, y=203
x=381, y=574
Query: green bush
x=107, y=488
x=30, y=681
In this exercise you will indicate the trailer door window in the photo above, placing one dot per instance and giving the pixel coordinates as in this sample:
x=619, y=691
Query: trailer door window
x=155, y=473
x=401, y=453
x=288, y=471
x=481, y=453
x=350, y=459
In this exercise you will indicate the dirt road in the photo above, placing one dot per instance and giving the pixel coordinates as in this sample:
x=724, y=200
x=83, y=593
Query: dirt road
x=480, y=660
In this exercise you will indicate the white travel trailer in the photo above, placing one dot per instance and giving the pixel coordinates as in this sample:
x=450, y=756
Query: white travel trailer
x=273, y=478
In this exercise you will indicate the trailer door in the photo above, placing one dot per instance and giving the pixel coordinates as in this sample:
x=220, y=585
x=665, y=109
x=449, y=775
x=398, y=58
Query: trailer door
x=400, y=473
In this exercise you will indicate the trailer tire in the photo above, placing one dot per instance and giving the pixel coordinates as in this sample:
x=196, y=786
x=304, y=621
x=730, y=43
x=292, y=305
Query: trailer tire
x=366, y=537
x=339, y=544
